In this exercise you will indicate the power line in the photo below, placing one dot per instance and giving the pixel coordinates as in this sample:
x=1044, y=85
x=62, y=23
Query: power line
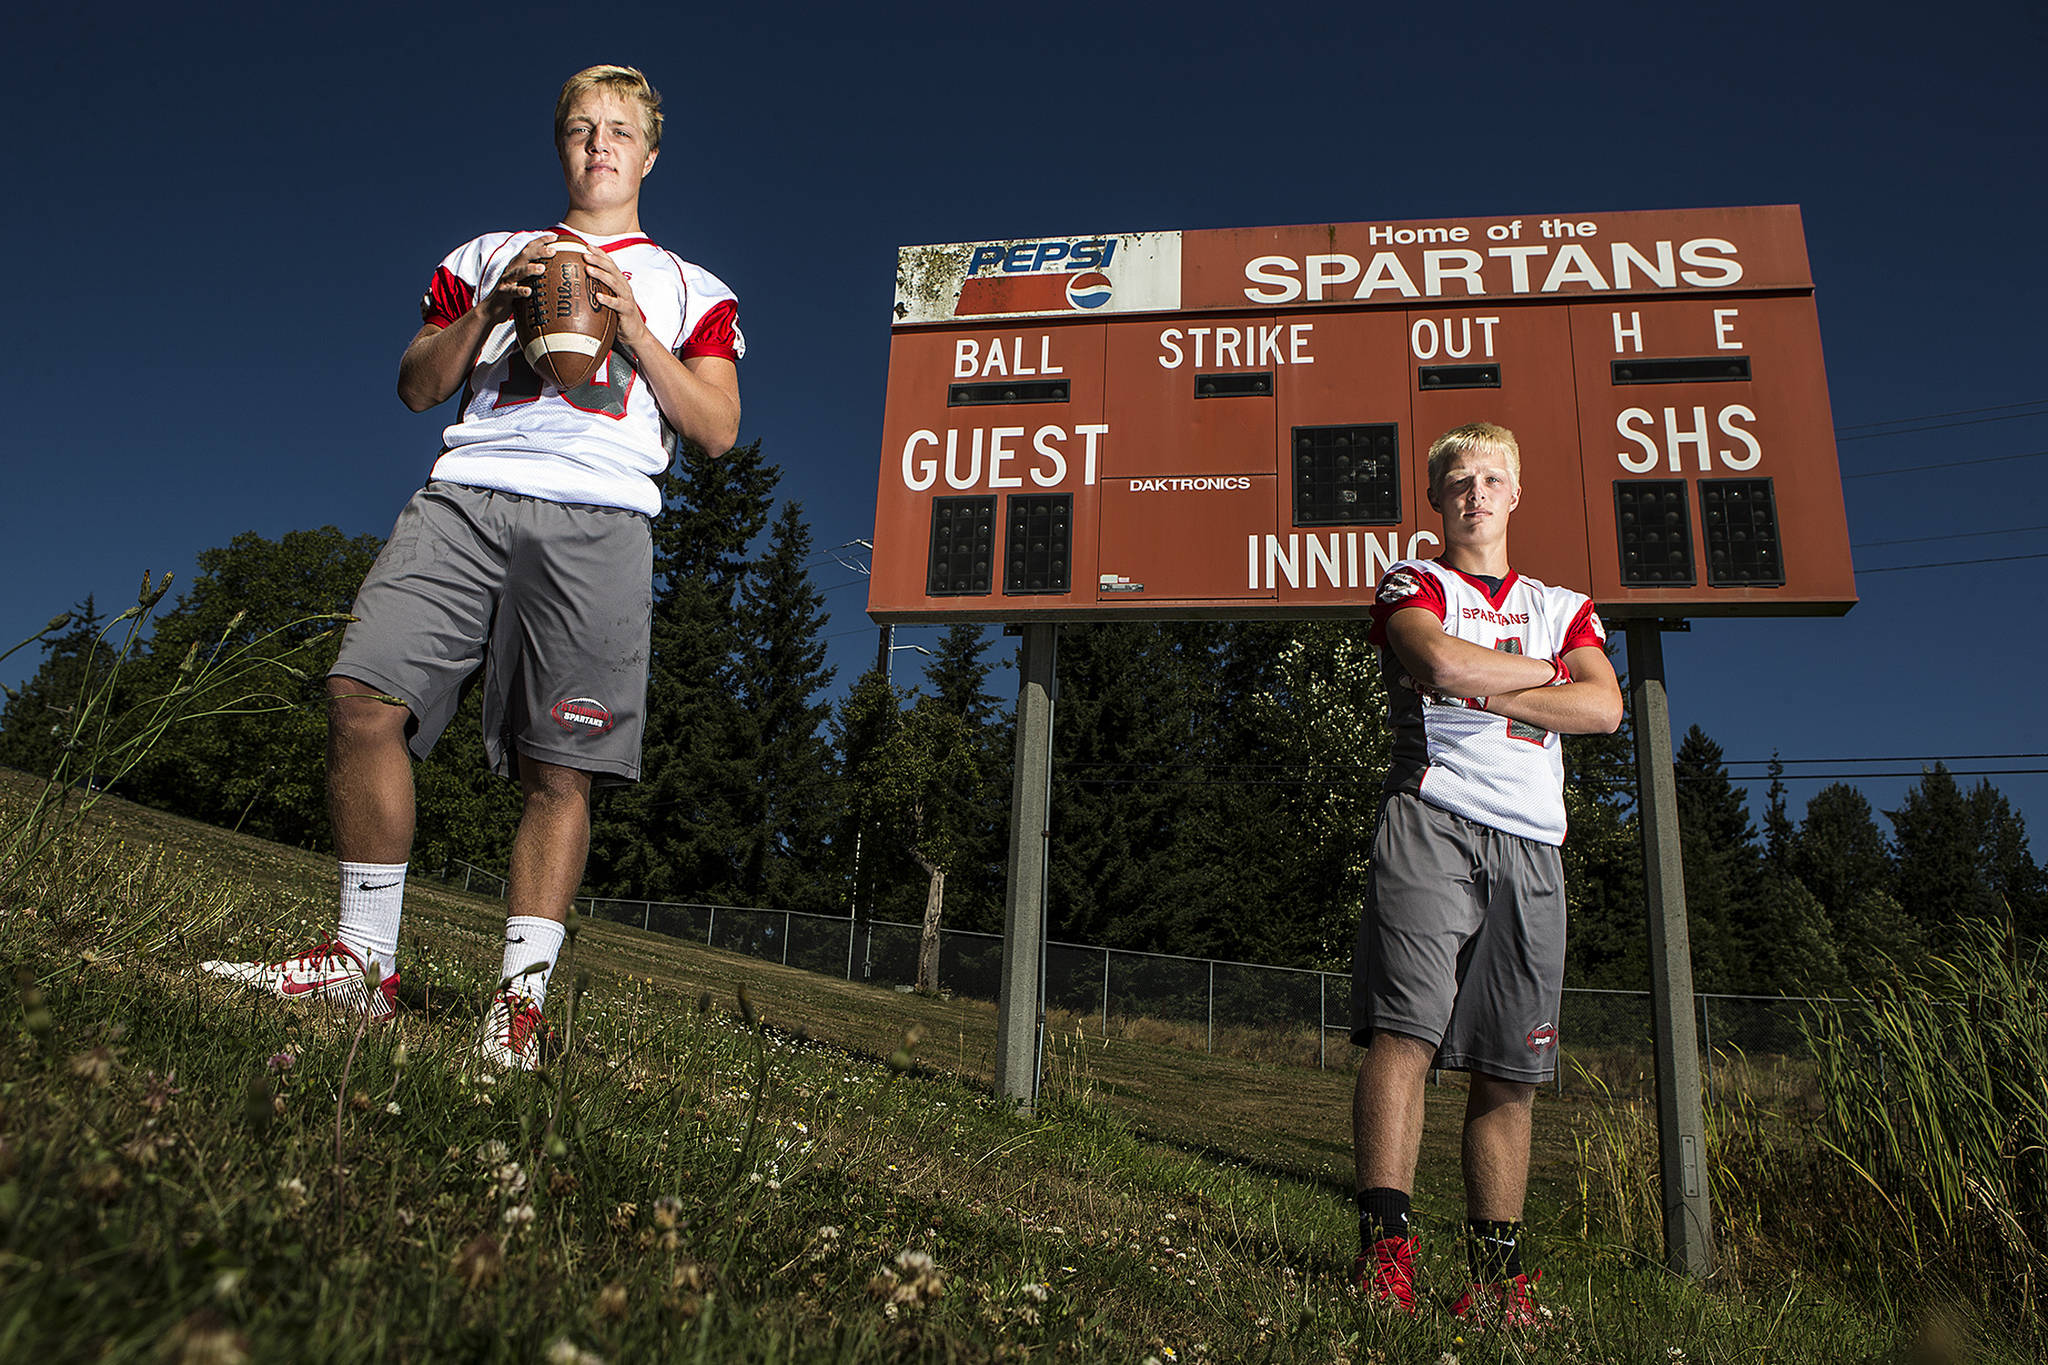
x=1952, y=563
x=1946, y=464
x=1940, y=426
x=1931, y=416
x=1955, y=535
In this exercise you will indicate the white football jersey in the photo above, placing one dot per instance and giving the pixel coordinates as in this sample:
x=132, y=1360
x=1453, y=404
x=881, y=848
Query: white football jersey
x=1507, y=774
x=605, y=442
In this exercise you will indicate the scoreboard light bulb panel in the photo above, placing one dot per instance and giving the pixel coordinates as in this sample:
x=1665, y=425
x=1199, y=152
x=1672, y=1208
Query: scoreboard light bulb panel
x=1236, y=423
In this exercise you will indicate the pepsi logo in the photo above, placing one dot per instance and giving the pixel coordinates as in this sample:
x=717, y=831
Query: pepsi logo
x=581, y=715
x=1088, y=289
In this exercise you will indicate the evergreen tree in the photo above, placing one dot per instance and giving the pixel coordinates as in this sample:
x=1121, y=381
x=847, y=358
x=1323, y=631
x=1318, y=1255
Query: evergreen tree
x=1324, y=714
x=685, y=830
x=923, y=782
x=39, y=715
x=782, y=674
x=1840, y=855
x=1940, y=876
x=267, y=773
x=1777, y=823
x=873, y=870
x=957, y=675
x=1964, y=857
x=1717, y=843
x=1608, y=943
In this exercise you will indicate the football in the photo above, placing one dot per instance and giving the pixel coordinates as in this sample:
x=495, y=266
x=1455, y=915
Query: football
x=564, y=332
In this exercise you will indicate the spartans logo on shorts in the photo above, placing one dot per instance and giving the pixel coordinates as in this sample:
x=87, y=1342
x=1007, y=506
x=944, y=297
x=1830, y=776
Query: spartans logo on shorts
x=1542, y=1036
x=581, y=715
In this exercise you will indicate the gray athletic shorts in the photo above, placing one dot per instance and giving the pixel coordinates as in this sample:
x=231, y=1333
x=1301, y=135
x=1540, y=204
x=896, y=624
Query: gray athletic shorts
x=1462, y=942
x=552, y=601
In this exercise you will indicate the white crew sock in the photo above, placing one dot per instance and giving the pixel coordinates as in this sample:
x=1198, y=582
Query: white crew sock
x=530, y=940
x=372, y=899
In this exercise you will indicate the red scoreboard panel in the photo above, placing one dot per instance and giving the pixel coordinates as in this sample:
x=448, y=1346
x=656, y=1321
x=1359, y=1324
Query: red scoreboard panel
x=1235, y=423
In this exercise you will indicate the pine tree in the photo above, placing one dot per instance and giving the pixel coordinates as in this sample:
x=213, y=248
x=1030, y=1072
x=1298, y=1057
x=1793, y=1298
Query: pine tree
x=683, y=832
x=1717, y=843
x=39, y=714
x=1608, y=944
x=1964, y=857
x=783, y=671
x=1940, y=880
x=1840, y=855
x=957, y=676
x=1323, y=712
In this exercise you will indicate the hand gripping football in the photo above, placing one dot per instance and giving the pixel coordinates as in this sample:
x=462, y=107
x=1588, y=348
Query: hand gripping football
x=564, y=332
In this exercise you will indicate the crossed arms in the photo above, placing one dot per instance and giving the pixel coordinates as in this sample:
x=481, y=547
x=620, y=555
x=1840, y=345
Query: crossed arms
x=1516, y=686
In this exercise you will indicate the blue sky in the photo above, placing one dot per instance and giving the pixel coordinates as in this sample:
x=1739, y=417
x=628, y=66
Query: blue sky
x=231, y=214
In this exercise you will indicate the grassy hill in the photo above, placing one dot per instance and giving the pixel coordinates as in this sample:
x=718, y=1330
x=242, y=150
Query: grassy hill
x=723, y=1163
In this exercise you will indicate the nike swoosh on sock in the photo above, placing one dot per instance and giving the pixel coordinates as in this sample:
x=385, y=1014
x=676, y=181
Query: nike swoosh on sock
x=379, y=886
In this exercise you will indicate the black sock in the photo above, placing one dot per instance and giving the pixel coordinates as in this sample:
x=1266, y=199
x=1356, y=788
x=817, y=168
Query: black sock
x=1382, y=1213
x=1494, y=1250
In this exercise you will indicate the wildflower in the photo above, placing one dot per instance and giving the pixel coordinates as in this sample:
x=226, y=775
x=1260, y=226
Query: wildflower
x=228, y=1283
x=622, y=1216
x=480, y=1262
x=611, y=1300
x=391, y=1106
x=562, y=1351
x=281, y=1061
x=142, y=1149
x=492, y=1153
x=518, y=1216
x=95, y=1066
x=159, y=1092
x=203, y=1338
x=1037, y=1293
x=668, y=1211
x=824, y=1241
x=913, y=1282
x=102, y=1181
x=291, y=1194
x=511, y=1178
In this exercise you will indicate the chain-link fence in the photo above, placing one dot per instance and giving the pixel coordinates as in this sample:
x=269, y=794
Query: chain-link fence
x=1287, y=1015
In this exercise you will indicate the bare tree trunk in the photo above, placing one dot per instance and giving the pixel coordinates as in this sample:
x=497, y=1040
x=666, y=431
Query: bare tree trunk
x=928, y=941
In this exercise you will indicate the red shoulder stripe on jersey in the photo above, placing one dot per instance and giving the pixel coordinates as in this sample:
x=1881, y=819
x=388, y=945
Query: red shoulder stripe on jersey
x=1583, y=633
x=1399, y=590
x=630, y=241
x=448, y=297
x=715, y=333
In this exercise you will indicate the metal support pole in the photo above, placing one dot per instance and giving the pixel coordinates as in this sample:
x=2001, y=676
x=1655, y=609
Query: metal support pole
x=1017, y=1006
x=1681, y=1118
x=1322, y=1020
x=1105, y=992
x=711, y=927
x=785, y=938
x=1706, y=1047
x=1212, y=1005
x=647, y=915
x=852, y=927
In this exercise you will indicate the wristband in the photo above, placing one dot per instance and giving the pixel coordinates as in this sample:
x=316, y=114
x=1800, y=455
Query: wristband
x=1559, y=674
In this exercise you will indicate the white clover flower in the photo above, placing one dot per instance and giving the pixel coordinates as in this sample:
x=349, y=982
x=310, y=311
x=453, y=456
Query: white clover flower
x=492, y=1153
x=518, y=1216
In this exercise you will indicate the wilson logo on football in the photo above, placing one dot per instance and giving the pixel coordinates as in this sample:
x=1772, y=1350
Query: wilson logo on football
x=1542, y=1036
x=584, y=715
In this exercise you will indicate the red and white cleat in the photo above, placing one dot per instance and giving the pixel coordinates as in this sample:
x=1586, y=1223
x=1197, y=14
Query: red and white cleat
x=1385, y=1273
x=1511, y=1303
x=512, y=1033
x=328, y=972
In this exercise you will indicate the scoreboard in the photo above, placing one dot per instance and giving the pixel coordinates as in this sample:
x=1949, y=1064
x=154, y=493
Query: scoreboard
x=1236, y=423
